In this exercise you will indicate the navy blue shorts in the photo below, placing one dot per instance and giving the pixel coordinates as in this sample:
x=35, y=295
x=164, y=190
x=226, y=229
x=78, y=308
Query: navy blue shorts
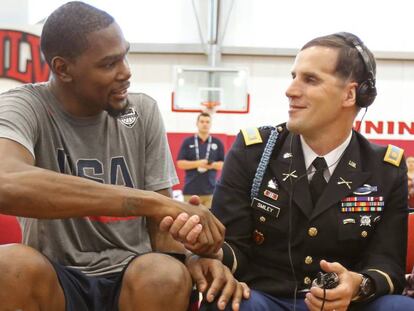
x=86, y=293
x=92, y=293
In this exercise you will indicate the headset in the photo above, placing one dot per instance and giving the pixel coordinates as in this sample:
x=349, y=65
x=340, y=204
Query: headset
x=366, y=91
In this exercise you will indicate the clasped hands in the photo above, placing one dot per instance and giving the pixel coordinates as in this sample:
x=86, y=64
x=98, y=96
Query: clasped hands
x=204, y=241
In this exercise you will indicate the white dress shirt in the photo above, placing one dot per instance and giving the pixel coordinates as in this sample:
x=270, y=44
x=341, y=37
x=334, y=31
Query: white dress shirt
x=332, y=158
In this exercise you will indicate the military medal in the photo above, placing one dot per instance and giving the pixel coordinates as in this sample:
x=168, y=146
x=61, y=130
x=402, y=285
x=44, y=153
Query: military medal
x=362, y=204
x=365, y=220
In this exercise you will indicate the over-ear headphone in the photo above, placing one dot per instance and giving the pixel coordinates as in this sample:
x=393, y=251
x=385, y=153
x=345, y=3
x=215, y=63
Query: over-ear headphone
x=366, y=91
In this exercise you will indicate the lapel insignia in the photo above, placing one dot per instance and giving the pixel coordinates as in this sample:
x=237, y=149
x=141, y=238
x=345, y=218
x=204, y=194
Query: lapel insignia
x=352, y=163
x=271, y=194
x=349, y=221
x=343, y=181
x=273, y=184
x=291, y=174
x=365, y=220
x=287, y=155
x=365, y=189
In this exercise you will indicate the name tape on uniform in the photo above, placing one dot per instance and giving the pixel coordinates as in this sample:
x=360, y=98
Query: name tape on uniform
x=266, y=207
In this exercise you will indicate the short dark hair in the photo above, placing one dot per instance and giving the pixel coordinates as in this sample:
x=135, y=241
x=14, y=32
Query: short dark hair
x=349, y=63
x=203, y=114
x=65, y=30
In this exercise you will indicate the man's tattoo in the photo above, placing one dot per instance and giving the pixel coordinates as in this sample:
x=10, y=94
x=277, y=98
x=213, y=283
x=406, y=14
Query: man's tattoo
x=130, y=205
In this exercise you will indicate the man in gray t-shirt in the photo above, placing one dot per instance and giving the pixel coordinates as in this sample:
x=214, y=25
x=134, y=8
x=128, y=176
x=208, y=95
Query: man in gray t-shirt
x=81, y=161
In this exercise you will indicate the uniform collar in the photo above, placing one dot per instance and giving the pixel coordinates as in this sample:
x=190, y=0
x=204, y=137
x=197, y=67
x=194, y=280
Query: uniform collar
x=332, y=158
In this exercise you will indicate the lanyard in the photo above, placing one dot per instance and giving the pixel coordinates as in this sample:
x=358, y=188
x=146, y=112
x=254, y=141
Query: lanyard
x=197, y=151
x=264, y=161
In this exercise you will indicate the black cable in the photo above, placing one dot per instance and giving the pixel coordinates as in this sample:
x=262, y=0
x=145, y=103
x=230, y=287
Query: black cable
x=292, y=267
x=291, y=192
x=324, y=298
x=360, y=122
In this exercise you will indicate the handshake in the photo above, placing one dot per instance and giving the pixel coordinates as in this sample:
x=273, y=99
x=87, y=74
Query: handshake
x=195, y=226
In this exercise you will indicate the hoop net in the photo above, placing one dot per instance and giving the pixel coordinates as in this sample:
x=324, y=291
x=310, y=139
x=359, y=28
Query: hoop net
x=210, y=106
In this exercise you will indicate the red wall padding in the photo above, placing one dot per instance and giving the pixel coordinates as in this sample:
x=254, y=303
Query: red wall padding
x=410, y=244
x=9, y=230
x=175, y=140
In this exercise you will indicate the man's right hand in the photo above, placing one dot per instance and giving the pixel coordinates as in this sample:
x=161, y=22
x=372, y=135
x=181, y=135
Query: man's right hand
x=203, y=163
x=202, y=233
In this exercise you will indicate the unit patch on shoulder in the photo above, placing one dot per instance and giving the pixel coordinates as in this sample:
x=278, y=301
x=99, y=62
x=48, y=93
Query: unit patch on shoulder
x=393, y=155
x=251, y=136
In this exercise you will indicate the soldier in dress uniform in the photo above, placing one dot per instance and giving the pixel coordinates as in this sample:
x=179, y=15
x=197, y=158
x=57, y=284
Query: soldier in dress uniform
x=313, y=195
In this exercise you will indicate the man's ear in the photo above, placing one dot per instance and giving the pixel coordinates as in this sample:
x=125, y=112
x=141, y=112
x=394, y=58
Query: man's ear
x=61, y=69
x=350, y=94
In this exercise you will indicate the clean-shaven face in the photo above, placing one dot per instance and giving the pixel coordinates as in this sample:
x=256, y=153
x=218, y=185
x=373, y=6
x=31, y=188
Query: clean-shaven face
x=315, y=93
x=204, y=125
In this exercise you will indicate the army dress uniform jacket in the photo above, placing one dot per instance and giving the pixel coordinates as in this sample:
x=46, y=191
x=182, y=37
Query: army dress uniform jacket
x=360, y=220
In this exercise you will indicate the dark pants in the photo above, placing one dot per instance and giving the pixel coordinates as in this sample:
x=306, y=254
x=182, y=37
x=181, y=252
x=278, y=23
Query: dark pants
x=263, y=302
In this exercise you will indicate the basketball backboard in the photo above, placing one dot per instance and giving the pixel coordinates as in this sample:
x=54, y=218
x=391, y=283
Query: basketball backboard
x=210, y=89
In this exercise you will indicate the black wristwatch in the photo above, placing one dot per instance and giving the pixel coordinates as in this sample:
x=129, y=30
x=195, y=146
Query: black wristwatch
x=366, y=288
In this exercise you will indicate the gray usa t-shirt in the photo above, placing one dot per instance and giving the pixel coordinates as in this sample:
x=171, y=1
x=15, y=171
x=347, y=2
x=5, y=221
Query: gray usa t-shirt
x=130, y=150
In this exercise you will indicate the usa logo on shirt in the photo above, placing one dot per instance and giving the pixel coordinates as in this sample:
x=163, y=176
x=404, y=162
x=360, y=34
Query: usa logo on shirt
x=129, y=117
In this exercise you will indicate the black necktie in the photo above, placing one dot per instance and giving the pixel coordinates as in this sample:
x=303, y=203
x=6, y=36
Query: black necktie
x=318, y=182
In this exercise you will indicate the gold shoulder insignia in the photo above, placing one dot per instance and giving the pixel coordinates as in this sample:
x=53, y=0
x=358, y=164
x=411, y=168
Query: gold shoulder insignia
x=393, y=155
x=251, y=136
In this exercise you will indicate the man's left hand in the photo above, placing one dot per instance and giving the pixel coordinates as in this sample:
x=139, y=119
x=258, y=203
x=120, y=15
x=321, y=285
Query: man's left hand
x=338, y=298
x=214, y=279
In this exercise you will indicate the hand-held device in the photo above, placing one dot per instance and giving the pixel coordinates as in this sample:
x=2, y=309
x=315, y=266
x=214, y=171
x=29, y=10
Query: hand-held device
x=327, y=280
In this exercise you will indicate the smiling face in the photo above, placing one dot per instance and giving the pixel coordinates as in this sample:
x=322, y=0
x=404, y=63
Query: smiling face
x=100, y=75
x=317, y=97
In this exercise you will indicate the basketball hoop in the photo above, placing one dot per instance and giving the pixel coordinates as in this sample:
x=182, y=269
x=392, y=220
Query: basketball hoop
x=210, y=107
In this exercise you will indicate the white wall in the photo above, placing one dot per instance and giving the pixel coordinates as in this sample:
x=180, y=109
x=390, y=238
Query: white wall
x=14, y=12
x=269, y=78
x=383, y=25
